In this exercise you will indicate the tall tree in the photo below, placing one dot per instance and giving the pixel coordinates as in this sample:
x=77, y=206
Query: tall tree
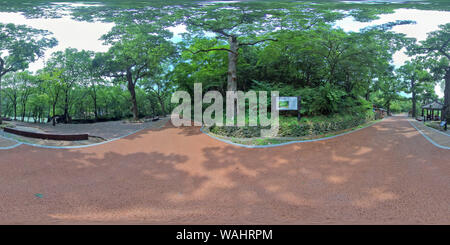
x=389, y=89
x=27, y=85
x=92, y=81
x=136, y=51
x=73, y=65
x=247, y=24
x=12, y=91
x=52, y=82
x=20, y=45
x=436, y=48
x=414, y=76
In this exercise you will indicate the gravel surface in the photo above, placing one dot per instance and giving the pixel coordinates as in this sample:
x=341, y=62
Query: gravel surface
x=387, y=173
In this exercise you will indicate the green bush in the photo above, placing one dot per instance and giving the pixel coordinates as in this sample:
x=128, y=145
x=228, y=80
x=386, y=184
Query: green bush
x=289, y=127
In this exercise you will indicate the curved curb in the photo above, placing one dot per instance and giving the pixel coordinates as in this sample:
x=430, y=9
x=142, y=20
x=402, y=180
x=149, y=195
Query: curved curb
x=428, y=138
x=10, y=147
x=286, y=143
x=72, y=147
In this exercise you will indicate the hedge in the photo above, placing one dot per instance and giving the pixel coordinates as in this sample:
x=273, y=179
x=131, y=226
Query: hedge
x=308, y=128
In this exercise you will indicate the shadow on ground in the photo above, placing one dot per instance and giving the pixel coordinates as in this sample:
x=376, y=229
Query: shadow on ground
x=384, y=174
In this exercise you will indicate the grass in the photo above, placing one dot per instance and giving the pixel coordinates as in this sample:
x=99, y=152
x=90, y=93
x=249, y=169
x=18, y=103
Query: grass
x=434, y=125
x=6, y=125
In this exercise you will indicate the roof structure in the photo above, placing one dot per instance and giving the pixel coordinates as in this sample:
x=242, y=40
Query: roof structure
x=434, y=106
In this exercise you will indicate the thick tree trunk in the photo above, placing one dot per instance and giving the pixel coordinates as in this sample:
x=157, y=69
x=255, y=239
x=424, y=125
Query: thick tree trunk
x=232, y=64
x=413, y=97
x=131, y=88
x=446, y=111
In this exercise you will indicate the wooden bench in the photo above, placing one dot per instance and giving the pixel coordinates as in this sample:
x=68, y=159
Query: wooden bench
x=66, y=137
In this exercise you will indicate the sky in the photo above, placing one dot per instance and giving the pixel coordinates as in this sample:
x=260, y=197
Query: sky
x=85, y=35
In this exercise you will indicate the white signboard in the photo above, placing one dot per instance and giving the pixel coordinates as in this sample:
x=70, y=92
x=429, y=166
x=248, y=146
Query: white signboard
x=287, y=103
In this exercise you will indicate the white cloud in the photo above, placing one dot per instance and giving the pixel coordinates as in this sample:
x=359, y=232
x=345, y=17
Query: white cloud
x=427, y=21
x=68, y=32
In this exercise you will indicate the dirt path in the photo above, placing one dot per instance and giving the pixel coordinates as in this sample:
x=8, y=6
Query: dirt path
x=385, y=174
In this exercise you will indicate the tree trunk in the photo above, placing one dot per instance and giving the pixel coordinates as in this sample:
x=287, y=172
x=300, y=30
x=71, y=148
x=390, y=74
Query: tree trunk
x=66, y=108
x=131, y=88
x=94, y=98
x=232, y=64
x=15, y=111
x=446, y=110
x=388, y=108
x=163, y=109
x=23, y=112
x=54, y=110
x=413, y=97
x=1, y=117
x=95, y=108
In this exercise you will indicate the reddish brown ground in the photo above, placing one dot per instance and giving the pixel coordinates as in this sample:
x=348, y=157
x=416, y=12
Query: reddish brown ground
x=387, y=173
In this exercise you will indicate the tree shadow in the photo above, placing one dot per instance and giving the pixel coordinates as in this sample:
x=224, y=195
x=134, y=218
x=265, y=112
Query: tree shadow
x=366, y=177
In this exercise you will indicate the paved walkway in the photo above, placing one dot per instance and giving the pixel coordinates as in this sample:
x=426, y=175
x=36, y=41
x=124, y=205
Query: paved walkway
x=440, y=139
x=6, y=143
x=387, y=173
x=105, y=130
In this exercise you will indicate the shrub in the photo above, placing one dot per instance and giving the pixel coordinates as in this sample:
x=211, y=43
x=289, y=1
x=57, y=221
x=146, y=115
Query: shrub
x=289, y=127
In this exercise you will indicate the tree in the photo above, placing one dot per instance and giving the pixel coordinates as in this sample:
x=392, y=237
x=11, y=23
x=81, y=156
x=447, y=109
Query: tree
x=51, y=81
x=414, y=77
x=27, y=84
x=389, y=89
x=73, y=66
x=19, y=46
x=160, y=87
x=12, y=91
x=136, y=51
x=247, y=24
x=38, y=104
x=436, y=49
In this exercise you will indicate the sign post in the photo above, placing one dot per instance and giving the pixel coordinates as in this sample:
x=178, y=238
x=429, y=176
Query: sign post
x=289, y=104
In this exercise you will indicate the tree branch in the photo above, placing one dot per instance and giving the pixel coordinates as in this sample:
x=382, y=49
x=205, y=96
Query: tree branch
x=260, y=41
x=211, y=49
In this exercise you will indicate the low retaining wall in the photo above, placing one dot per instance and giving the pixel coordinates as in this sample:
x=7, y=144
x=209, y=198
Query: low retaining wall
x=68, y=137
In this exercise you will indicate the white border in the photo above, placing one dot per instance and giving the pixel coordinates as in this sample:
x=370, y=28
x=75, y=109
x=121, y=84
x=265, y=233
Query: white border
x=428, y=138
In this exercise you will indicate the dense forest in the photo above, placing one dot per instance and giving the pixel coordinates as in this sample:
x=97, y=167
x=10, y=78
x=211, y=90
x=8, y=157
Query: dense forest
x=291, y=47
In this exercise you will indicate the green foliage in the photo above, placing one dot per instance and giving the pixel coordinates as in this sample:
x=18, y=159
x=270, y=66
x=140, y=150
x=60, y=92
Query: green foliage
x=290, y=127
x=286, y=46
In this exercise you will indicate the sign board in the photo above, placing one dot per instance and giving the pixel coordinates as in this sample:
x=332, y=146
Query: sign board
x=123, y=87
x=287, y=103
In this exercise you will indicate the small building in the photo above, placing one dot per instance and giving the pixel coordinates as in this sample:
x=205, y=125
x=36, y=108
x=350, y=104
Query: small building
x=379, y=112
x=429, y=111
